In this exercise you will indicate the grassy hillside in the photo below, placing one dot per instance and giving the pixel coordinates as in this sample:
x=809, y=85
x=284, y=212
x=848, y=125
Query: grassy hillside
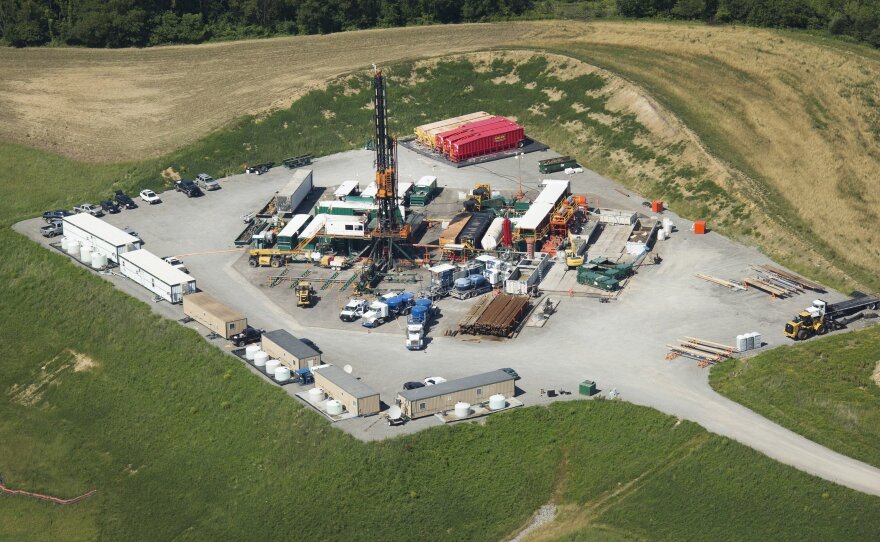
x=826, y=389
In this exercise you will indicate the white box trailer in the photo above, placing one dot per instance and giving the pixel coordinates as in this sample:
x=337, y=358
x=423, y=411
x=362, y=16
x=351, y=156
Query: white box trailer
x=294, y=192
x=347, y=188
x=346, y=226
x=102, y=237
x=156, y=275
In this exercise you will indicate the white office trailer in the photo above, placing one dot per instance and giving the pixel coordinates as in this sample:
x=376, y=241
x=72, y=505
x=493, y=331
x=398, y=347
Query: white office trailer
x=156, y=275
x=101, y=237
x=347, y=188
x=346, y=226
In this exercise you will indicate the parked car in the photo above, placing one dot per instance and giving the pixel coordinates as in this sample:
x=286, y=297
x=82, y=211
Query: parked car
x=412, y=385
x=93, y=210
x=188, y=187
x=54, y=228
x=110, y=206
x=259, y=169
x=511, y=372
x=433, y=380
x=206, y=182
x=175, y=263
x=150, y=197
x=122, y=199
x=248, y=336
x=52, y=216
x=311, y=344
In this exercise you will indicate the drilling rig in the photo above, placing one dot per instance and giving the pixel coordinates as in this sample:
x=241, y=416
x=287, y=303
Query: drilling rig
x=391, y=235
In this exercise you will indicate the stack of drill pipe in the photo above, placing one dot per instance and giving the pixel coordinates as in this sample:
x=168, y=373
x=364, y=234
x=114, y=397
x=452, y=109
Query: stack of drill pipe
x=797, y=279
x=501, y=316
x=771, y=289
x=466, y=324
x=720, y=282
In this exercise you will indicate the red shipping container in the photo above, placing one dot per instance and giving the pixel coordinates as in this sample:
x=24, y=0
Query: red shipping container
x=700, y=227
x=465, y=130
x=491, y=140
x=657, y=206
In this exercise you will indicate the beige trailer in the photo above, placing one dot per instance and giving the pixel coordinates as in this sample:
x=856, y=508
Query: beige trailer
x=212, y=314
x=441, y=397
x=355, y=396
x=289, y=350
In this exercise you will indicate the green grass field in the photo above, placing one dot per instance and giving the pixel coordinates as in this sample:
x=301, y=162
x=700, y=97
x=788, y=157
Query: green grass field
x=821, y=389
x=181, y=441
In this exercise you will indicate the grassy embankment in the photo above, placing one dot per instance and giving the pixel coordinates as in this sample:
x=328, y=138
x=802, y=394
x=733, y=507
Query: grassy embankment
x=827, y=390
x=181, y=441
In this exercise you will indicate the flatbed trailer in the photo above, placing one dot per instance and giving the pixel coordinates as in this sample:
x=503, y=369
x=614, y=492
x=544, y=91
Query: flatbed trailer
x=852, y=306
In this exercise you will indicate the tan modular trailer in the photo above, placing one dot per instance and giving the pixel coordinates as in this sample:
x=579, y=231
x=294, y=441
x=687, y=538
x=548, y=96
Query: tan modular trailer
x=475, y=389
x=289, y=350
x=427, y=133
x=449, y=236
x=212, y=314
x=355, y=396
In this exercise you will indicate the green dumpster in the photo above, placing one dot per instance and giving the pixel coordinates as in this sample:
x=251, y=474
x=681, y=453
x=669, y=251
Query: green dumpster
x=588, y=388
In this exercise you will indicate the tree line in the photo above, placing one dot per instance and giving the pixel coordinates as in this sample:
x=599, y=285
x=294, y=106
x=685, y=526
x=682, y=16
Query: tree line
x=139, y=23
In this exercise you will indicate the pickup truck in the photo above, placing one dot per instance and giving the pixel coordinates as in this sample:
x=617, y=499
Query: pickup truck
x=188, y=187
x=110, y=206
x=259, y=169
x=248, y=336
x=54, y=216
x=93, y=210
x=175, y=263
x=53, y=229
x=123, y=199
x=354, y=309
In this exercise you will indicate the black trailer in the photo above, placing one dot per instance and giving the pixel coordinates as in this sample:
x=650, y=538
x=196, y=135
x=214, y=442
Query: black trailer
x=852, y=306
x=476, y=228
x=298, y=161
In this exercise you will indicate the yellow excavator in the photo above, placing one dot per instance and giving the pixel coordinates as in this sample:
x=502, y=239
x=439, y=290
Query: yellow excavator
x=304, y=294
x=572, y=259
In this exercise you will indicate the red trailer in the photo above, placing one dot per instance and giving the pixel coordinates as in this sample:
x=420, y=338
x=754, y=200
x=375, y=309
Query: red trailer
x=492, y=139
x=464, y=130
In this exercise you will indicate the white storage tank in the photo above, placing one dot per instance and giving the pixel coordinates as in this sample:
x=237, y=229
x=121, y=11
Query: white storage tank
x=741, y=344
x=73, y=248
x=750, y=341
x=282, y=374
x=316, y=394
x=260, y=358
x=497, y=402
x=661, y=235
x=250, y=351
x=99, y=261
x=667, y=226
x=493, y=234
x=334, y=407
x=271, y=365
x=462, y=410
x=64, y=244
x=85, y=254
x=759, y=341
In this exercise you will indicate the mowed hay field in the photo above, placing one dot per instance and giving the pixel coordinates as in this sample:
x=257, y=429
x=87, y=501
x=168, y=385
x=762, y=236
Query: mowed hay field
x=790, y=123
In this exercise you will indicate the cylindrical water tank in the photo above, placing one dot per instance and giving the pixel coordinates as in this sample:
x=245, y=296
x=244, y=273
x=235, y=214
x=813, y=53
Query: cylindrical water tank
x=85, y=254
x=260, y=358
x=334, y=407
x=316, y=394
x=493, y=234
x=419, y=313
x=758, y=339
x=478, y=280
x=741, y=344
x=98, y=260
x=462, y=410
x=750, y=341
x=271, y=365
x=497, y=402
x=282, y=374
x=64, y=244
x=661, y=235
x=667, y=226
x=251, y=350
x=73, y=248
